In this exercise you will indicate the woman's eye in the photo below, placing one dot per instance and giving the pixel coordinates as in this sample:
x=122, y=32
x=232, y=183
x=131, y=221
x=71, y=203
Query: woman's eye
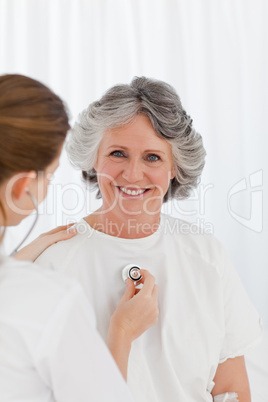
x=117, y=153
x=153, y=158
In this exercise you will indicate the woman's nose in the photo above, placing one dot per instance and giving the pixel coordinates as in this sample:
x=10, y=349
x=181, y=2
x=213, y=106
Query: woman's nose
x=133, y=171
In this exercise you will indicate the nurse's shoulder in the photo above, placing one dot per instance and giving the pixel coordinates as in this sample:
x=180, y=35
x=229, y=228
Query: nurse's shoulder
x=31, y=293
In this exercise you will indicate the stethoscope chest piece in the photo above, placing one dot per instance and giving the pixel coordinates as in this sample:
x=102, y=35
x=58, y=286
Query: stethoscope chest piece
x=131, y=271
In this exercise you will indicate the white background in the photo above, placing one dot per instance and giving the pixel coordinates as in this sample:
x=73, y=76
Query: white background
x=214, y=52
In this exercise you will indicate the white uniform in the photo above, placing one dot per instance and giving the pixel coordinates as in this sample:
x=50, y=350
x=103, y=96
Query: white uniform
x=205, y=314
x=49, y=347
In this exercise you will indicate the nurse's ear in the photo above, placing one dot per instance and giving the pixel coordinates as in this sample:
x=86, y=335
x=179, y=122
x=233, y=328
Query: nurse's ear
x=20, y=182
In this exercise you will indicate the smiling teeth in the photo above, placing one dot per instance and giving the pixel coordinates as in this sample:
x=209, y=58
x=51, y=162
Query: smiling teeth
x=131, y=192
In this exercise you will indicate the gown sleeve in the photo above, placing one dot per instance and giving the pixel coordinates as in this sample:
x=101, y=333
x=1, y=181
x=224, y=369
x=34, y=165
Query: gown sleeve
x=243, y=326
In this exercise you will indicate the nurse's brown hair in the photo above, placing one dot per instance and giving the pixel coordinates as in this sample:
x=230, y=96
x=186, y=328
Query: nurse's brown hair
x=33, y=126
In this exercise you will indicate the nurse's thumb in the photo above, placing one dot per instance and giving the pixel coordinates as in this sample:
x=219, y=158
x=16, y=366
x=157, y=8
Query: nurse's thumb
x=130, y=290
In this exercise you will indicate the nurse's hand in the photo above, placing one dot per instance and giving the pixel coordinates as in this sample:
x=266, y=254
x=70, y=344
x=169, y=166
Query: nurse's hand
x=136, y=312
x=138, y=309
x=32, y=251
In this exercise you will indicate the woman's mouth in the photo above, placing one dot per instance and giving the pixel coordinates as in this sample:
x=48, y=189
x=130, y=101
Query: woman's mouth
x=132, y=192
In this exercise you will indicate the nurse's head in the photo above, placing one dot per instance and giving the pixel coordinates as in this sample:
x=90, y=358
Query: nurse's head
x=121, y=106
x=33, y=127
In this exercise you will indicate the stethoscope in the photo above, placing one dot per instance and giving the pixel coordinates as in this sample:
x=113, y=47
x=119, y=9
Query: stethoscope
x=131, y=271
x=34, y=200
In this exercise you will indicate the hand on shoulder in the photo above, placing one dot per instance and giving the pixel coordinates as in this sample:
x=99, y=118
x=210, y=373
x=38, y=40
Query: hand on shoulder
x=33, y=250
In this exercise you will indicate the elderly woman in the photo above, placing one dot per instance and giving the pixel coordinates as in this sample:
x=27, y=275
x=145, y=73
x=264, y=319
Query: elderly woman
x=138, y=146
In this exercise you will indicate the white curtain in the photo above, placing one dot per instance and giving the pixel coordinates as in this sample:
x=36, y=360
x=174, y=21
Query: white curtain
x=214, y=52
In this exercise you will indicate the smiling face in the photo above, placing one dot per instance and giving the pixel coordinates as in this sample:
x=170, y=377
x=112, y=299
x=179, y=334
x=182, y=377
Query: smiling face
x=134, y=168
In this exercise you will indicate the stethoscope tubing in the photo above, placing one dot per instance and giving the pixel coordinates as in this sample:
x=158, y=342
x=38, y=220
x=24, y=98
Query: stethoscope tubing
x=34, y=200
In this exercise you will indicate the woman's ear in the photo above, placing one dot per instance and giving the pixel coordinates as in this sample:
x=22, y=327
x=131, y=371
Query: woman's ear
x=172, y=173
x=95, y=167
x=21, y=182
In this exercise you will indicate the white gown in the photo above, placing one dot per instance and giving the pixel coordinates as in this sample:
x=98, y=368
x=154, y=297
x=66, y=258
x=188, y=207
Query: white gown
x=205, y=314
x=50, y=350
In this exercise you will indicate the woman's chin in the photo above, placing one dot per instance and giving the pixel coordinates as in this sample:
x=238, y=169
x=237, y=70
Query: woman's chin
x=147, y=209
x=132, y=211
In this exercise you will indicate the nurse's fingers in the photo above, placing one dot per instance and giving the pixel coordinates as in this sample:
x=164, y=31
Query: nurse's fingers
x=130, y=290
x=61, y=235
x=148, y=281
x=57, y=229
x=155, y=292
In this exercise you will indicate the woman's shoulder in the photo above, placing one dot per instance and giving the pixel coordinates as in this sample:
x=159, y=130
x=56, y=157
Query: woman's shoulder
x=194, y=238
x=65, y=249
x=199, y=230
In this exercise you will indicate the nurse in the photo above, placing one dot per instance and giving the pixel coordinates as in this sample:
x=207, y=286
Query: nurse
x=50, y=349
x=138, y=147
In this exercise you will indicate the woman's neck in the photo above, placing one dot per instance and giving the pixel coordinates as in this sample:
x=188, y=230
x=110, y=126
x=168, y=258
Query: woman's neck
x=127, y=227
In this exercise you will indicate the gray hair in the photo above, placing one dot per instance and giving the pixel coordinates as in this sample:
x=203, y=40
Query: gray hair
x=118, y=106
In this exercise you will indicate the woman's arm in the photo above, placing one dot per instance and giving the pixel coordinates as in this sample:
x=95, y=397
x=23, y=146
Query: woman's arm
x=33, y=250
x=136, y=312
x=231, y=376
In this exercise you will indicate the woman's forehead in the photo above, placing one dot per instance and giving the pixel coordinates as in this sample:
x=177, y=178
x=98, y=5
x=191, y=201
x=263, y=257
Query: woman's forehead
x=138, y=132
